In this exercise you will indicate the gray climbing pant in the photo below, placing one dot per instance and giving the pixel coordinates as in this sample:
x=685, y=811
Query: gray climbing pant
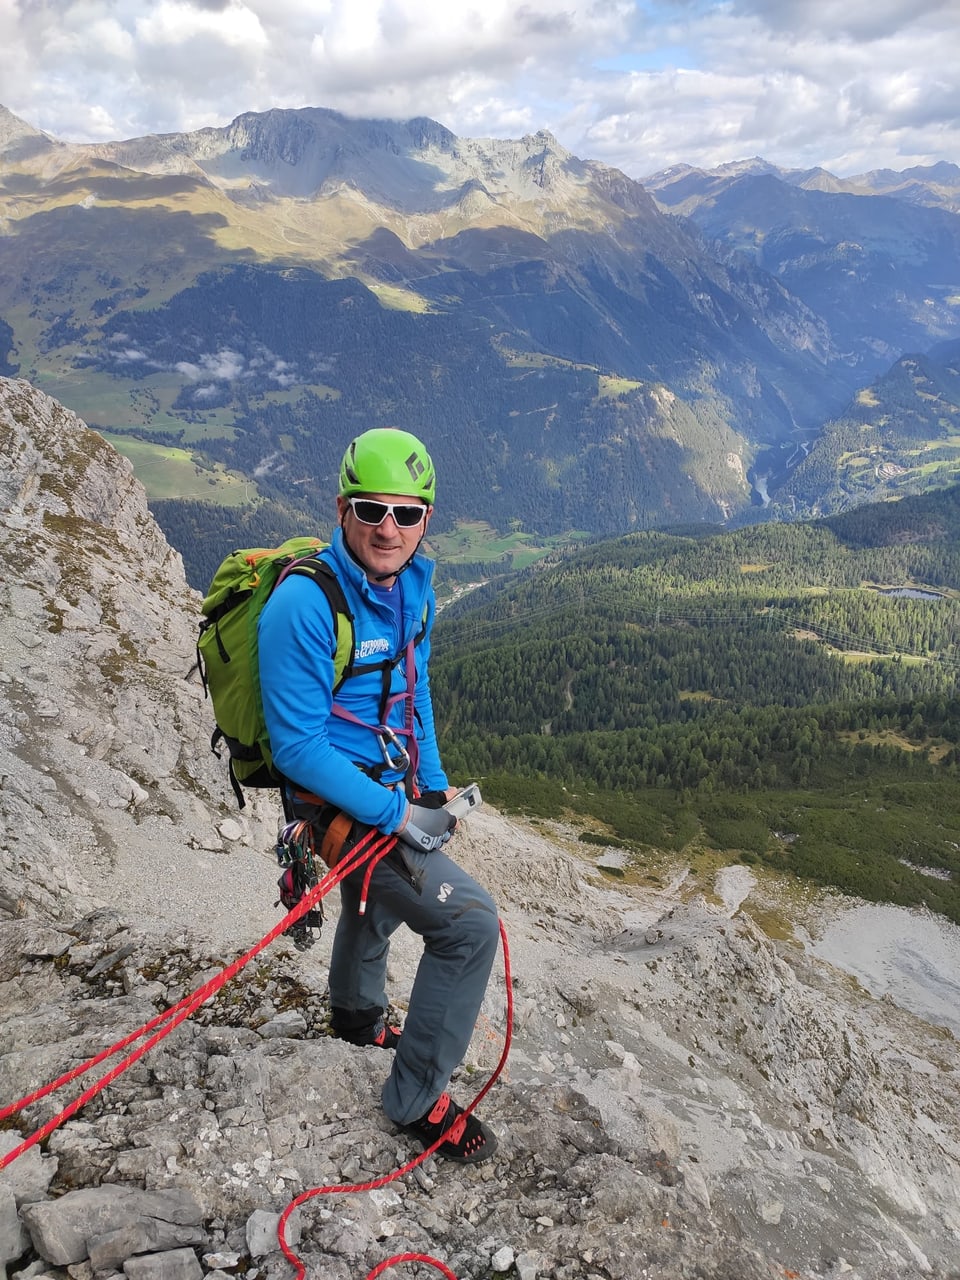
x=458, y=922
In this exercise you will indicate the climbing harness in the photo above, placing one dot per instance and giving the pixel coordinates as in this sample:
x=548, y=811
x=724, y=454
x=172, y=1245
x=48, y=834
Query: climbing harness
x=398, y=757
x=370, y=849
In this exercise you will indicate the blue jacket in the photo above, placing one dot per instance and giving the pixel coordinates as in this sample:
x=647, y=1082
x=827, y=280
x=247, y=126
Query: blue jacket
x=314, y=748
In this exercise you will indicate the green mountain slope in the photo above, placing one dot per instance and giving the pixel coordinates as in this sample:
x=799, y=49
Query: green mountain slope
x=192, y=290
x=901, y=435
x=229, y=305
x=885, y=271
x=728, y=691
x=280, y=370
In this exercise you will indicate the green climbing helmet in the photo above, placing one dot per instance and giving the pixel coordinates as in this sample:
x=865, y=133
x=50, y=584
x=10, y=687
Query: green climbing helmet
x=387, y=460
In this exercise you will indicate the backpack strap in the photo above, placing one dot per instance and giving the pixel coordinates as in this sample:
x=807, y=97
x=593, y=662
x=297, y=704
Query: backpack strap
x=328, y=582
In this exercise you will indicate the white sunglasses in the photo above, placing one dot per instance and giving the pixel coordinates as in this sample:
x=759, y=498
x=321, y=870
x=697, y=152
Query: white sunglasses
x=407, y=515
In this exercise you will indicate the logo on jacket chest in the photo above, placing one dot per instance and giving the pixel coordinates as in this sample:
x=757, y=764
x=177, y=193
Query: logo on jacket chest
x=372, y=648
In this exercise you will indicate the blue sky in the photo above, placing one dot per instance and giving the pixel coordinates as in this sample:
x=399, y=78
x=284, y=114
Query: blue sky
x=641, y=84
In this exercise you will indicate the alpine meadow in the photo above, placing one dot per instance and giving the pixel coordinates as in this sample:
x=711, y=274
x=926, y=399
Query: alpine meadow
x=783, y=694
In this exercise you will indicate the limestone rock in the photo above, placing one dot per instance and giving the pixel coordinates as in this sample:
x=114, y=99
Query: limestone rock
x=175, y=1264
x=13, y=1235
x=63, y=1230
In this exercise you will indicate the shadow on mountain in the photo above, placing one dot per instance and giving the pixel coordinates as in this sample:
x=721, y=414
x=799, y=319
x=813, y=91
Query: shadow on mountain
x=168, y=246
x=383, y=256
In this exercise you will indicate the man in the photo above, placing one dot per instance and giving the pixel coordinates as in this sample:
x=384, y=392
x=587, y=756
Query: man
x=370, y=751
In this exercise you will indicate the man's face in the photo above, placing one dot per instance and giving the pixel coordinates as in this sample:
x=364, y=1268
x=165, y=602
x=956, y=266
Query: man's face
x=383, y=549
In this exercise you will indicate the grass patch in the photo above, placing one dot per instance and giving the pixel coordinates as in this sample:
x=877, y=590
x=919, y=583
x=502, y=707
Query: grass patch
x=293, y=395
x=538, y=360
x=396, y=299
x=475, y=541
x=146, y=404
x=167, y=472
x=609, y=388
x=890, y=738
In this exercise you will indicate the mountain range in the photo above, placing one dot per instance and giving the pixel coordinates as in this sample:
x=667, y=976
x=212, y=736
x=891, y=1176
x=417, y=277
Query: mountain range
x=597, y=355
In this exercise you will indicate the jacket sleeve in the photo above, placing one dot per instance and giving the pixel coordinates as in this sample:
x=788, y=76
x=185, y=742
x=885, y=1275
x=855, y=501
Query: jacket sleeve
x=297, y=644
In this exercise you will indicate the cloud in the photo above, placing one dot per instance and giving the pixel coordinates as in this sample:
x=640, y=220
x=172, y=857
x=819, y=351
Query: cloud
x=784, y=82
x=225, y=365
x=637, y=83
x=179, y=26
x=856, y=20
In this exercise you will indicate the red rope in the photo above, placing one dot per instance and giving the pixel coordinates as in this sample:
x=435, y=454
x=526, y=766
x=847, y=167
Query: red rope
x=375, y=857
x=172, y=1017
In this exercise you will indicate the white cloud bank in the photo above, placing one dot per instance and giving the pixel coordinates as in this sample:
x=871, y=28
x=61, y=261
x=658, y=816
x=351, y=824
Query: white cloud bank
x=641, y=85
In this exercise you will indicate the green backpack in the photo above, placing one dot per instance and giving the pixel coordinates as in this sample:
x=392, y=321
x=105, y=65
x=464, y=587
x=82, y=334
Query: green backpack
x=228, y=651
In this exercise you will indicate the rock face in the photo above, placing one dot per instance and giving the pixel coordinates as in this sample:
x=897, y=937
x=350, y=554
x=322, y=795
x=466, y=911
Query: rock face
x=414, y=165
x=684, y=1097
x=97, y=635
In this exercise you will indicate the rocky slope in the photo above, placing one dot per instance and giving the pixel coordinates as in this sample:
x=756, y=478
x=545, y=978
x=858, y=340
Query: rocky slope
x=684, y=1097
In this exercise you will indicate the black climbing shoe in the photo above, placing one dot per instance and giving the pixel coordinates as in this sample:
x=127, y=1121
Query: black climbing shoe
x=380, y=1034
x=468, y=1140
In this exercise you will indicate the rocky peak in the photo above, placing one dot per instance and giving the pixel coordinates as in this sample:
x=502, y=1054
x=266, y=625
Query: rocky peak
x=428, y=133
x=97, y=635
x=19, y=138
x=404, y=166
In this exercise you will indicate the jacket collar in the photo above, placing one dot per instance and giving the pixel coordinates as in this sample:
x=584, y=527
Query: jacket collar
x=417, y=576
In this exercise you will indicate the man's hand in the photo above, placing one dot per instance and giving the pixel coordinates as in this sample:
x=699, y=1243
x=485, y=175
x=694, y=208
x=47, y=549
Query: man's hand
x=426, y=829
x=432, y=799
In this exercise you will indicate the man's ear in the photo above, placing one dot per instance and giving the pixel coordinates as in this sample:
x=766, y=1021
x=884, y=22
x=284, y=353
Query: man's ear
x=343, y=506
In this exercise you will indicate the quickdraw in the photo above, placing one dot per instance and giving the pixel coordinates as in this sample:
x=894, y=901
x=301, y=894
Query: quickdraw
x=295, y=855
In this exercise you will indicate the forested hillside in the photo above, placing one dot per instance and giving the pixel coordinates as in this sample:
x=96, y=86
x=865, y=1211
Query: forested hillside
x=901, y=435
x=285, y=367
x=758, y=692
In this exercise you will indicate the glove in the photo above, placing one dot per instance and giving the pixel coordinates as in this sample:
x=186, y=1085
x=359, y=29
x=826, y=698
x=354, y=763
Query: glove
x=427, y=829
x=432, y=799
